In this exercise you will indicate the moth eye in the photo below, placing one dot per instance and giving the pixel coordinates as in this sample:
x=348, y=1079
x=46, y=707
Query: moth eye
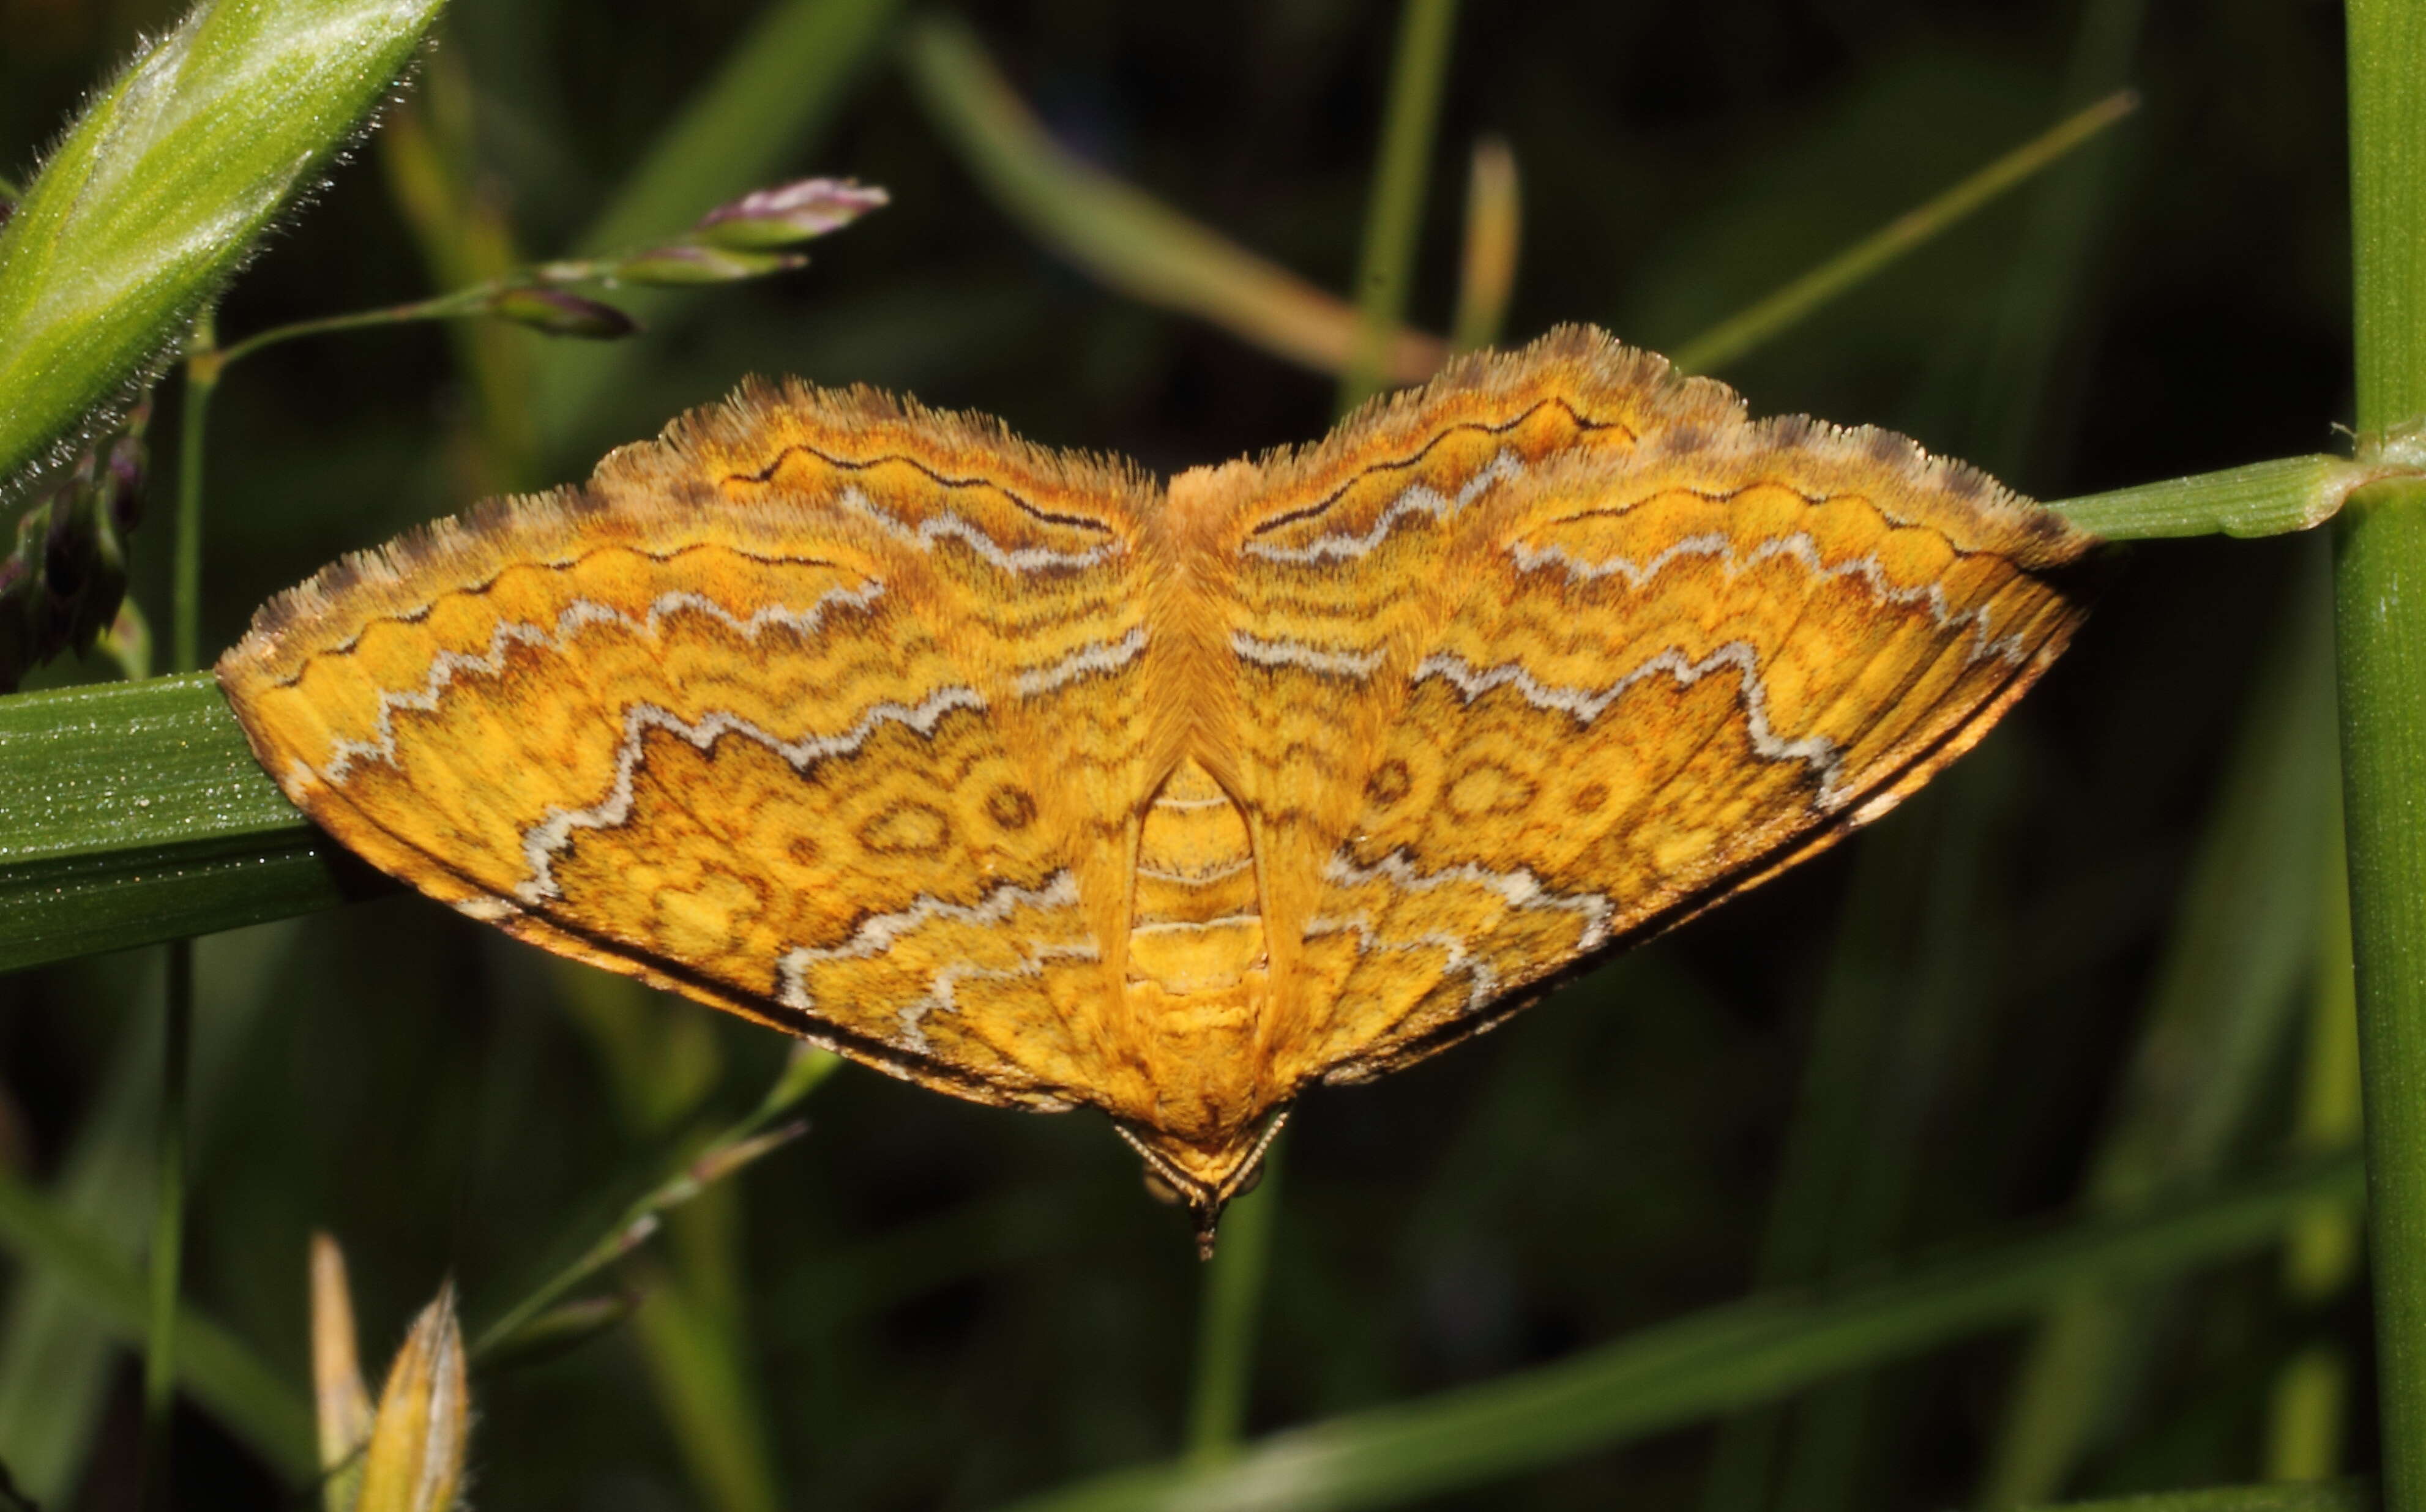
x=1160, y=1190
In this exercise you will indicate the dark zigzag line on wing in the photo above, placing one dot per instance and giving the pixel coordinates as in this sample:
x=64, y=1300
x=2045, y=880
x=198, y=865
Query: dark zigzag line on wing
x=1401, y=464
x=1012, y=629
x=488, y=584
x=767, y=473
x=1295, y=595
x=1810, y=500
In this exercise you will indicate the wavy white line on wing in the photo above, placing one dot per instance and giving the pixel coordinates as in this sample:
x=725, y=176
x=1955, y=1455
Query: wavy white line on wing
x=1799, y=546
x=946, y=526
x=1419, y=499
x=942, y=988
x=1087, y=660
x=555, y=829
x=1519, y=889
x=1483, y=980
x=1587, y=704
x=877, y=936
x=448, y=665
x=1321, y=661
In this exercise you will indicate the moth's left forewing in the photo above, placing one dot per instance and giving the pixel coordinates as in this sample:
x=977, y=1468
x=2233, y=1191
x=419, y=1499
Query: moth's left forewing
x=823, y=709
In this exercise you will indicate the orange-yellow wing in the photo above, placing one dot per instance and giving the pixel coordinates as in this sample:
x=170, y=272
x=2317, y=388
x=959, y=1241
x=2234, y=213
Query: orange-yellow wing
x=819, y=710
x=1562, y=650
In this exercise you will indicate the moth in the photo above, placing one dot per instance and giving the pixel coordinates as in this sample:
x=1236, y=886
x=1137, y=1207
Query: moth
x=1028, y=778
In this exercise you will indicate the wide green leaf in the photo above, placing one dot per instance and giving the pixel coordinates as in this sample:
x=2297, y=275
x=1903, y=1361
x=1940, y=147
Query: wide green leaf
x=133, y=813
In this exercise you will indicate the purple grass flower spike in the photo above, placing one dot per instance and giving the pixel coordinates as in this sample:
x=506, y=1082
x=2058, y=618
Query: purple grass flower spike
x=788, y=213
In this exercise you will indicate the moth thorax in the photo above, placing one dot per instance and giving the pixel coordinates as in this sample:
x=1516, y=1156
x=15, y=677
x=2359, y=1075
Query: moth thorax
x=1199, y=926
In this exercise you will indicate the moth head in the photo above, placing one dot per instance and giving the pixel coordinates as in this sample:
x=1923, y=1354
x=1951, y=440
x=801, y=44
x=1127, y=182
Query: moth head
x=1205, y=1178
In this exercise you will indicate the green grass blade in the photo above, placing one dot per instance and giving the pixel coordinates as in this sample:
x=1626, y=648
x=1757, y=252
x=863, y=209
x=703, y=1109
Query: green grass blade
x=135, y=812
x=1232, y=1293
x=2380, y=571
x=1486, y=272
x=701, y=1370
x=2067, y=209
x=2380, y=589
x=156, y=194
x=1395, y=211
x=767, y=106
x=2218, y=1018
x=2262, y=499
x=1766, y=318
x=1696, y=1367
x=777, y=86
x=2320, y=1496
x=675, y=1174
x=55, y=1356
x=1903, y=983
x=223, y=1373
x=2308, y=1410
x=1121, y=236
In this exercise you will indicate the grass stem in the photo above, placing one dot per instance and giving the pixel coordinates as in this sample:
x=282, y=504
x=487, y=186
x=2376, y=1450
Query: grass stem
x=202, y=365
x=1740, y=333
x=167, y=1232
x=1395, y=208
x=1121, y=236
x=1225, y=1339
x=2380, y=590
x=1494, y=224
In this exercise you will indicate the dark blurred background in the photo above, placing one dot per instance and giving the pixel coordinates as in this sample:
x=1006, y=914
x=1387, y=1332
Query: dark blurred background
x=933, y=1305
